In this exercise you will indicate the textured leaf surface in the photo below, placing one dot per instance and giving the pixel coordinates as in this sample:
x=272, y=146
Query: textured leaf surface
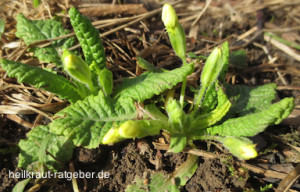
x=20, y=186
x=47, y=54
x=33, y=31
x=255, y=123
x=210, y=100
x=206, y=120
x=160, y=182
x=225, y=59
x=89, y=39
x=157, y=183
x=250, y=99
x=40, y=78
x=144, y=64
x=149, y=84
x=87, y=121
x=178, y=143
x=58, y=146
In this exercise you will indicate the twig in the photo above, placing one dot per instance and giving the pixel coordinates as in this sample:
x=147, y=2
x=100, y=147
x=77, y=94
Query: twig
x=271, y=59
x=108, y=9
x=282, y=47
x=140, y=18
x=19, y=120
x=288, y=181
x=202, y=12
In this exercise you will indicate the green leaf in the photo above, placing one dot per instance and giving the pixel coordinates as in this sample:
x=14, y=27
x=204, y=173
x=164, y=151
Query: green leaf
x=211, y=70
x=179, y=121
x=89, y=39
x=153, y=112
x=210, y=100
x=47, y=54
x=250, y=99
x=58, y=146
x=239, y=59
x=106, y=80
x=225, y=60
x=32, y=31
x=215, y=68
x=194, y=56
x=145, y=64
x=40, y=78
x=208, y=119
x=252, y=124
x=148, y=84
x=178, y=143
x=2, y=27
x=157, y=183
x=160, y=182
x=36, y=3
x=20, y=186
x=87, y=121
x=186, y=170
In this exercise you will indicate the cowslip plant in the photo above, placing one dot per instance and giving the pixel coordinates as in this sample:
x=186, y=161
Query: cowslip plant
x=213, y=114
x=102, y=115
x=91, y=113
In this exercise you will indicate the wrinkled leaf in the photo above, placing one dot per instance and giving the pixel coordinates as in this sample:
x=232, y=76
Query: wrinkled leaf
x=36, y=30
x=250, y=99
x=239, y=59
x=152, y=83
x=58, y=146
x=208, y=119
x=178, y=143
x=89, y=39
x=87, y=121
x=225, y=60
x=252, y=124
x=40, y=78
x=144, y=64
x=160, y=182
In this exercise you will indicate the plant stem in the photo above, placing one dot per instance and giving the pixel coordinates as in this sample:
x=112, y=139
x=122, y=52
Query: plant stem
x=199, y=99
x=182, y=92
x=92, y=88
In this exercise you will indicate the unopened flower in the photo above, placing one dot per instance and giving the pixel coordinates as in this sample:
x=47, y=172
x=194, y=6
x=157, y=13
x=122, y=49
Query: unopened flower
x=240, y=147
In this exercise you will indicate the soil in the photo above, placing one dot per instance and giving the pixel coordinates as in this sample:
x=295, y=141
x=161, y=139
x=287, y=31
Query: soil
x=127, y=161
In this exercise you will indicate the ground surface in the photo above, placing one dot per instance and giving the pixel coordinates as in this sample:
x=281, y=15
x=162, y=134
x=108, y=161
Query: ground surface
x=242, y=23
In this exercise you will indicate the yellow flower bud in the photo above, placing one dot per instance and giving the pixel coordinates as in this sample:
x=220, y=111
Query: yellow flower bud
x=132, y=129
x=175, y=31
x=240, y=147
x=76, y=67
x=112, y=136
x=169, y=16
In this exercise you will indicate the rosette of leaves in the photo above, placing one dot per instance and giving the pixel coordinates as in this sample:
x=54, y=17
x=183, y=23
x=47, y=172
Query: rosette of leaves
x=109, y=115
x=213, y=115
x=90, y=116
x=253, y=106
